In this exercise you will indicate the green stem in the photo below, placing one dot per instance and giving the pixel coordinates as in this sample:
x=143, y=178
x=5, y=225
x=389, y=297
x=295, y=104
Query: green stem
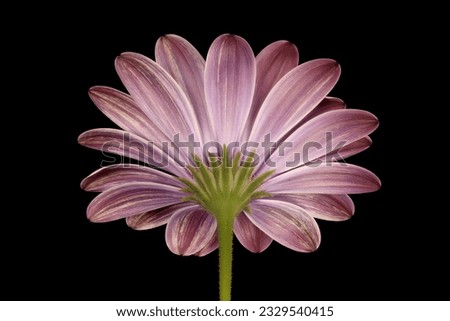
x=225, y=229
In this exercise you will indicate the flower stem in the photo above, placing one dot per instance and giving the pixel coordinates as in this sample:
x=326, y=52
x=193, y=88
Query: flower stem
x=225, y=230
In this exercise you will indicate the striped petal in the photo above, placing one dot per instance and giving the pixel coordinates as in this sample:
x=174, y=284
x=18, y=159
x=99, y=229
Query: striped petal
x=230, y=75
x=325, y=178
x=114, y=175
x=348, y=150
x=251, y=237
x=286, y=223
x=132, y=199
x=322, y=135
x=189, y=231
x=159, y=96
x=294, y=97
x=130, y=145
x=210, y=247
x=272, y=63
x=185, y=64
x=325, y=207
x=326, y=105
x=123, y=111
x=156, y=218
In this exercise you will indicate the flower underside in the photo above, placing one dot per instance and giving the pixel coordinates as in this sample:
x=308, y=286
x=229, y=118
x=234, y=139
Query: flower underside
x=226, y=185
x=231, y=96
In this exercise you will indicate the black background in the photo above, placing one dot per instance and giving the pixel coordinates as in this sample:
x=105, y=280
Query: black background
x=392, y=249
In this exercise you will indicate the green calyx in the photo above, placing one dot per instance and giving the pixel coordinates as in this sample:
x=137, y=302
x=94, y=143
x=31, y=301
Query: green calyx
x=226, y=186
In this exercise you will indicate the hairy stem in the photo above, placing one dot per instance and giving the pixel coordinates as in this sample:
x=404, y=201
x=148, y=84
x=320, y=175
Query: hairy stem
x=225, y=230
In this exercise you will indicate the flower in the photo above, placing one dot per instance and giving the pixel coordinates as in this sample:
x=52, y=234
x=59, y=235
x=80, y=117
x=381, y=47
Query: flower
x=234, y=144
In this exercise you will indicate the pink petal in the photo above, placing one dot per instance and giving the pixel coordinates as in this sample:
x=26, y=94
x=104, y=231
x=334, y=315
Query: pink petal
x=326, y=105
x=122, y=110
x=294, y=97
x=286, y=223
x=325, y=178
x=348, y=150
x=230, y=75
x=132, y=199
x=189, y=231
x=322, y=206
x=210, y=247
x=159, y=96
x=130, y=145
x=251, y=237
x=155, y=218
x=114, y=175
x=272, y=63
x=185, y=64
x=322, y=135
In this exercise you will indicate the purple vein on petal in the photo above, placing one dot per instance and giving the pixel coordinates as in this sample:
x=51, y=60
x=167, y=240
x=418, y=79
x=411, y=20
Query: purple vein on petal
x=348, y=150
x=294, y=97
x=272, y=63
x=324, y=178
x=251, y=237
x=132, y=199
x=156, y=218
x=189, y=231
x=326, y=105
x=158, y=94
x=322, y=206
x=210, y=247
x=230, y=75
x=127, y=144
x=324, y=134
x=187, y=67
x=114, y=175
x=122, y=110
x=286, y=223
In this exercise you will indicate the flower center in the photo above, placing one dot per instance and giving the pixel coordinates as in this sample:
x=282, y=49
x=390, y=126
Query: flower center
x=226, y=185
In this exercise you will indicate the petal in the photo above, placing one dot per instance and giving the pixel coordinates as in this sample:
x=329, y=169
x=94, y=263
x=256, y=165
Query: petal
x=325, y=178
x=230, y=75
x=156, y=218
x=132, y=199
x=123, y=111
x=114, y=175
x=326, y=105
x=348, y=150
x=325, y=207
x=294, y=97
x=251, y=237
x=185, y=64
x=130, y=145
x=286, y=223
x=159, y=96
x=210, y=247
x=323, y=135
x=272, y=63
x=189, y=231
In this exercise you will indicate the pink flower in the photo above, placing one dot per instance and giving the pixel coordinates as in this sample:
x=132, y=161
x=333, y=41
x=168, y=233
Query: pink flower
x=232, y=97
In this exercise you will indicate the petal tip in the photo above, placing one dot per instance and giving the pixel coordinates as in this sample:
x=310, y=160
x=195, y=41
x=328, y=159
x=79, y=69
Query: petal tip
x=231, y=37
x=125, y=58
x=98, y=91
x=331, y=65
x=167, y=39
x=288, y=45
x=377, y=184
x=83, y=184
x=81, y=138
